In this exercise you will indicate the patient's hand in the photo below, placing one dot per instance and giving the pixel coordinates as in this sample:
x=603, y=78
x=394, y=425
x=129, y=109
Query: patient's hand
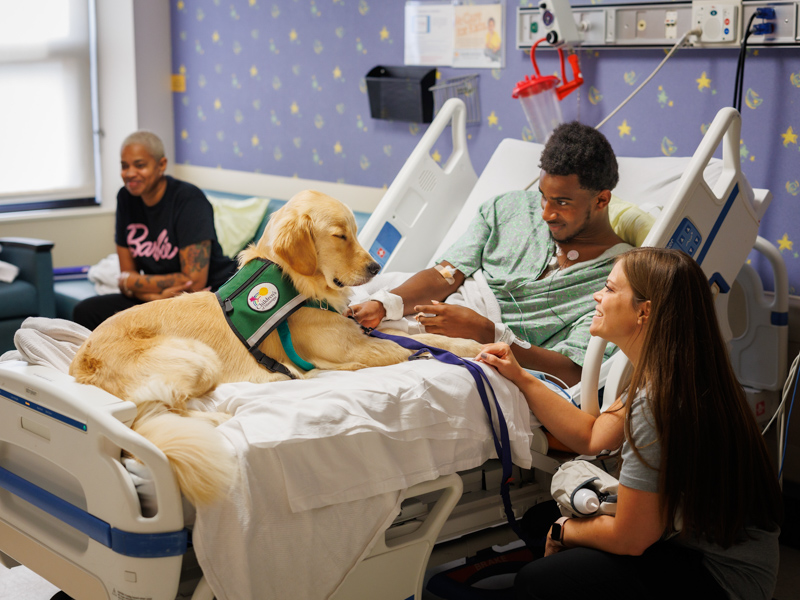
x=368, y=314
x=455, y=321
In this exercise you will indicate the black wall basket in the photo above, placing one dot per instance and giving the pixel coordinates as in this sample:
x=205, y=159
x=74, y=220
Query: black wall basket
x=401, y=93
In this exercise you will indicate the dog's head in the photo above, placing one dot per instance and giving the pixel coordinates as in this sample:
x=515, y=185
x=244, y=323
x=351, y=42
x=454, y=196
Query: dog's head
x=313, y=239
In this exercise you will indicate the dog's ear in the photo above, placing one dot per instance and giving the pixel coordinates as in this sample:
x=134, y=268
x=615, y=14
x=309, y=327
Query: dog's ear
x=293, y=243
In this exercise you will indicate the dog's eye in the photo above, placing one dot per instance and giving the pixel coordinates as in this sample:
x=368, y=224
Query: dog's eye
x=341, y=237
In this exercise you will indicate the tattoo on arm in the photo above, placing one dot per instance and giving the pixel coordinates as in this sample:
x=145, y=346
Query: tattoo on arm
x=195, y=260
x=145, y=283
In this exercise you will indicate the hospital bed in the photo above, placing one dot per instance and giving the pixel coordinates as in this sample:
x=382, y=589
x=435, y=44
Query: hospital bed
x=69, y=508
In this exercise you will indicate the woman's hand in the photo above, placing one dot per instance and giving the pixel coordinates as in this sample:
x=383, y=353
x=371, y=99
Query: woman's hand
x=168, y=292
x=500, y=356
x=368, y=314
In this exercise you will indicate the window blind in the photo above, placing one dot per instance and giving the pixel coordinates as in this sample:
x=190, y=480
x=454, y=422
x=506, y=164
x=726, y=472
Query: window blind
x=48, y=145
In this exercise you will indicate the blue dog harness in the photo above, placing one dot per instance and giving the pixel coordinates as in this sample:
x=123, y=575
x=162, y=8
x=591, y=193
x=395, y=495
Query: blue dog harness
x=257, y=300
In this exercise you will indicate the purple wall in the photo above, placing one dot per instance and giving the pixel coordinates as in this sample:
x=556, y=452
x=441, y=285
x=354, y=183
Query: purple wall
x=278, y=87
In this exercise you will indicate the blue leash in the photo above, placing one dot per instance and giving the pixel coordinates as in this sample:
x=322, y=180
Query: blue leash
x=501, y=444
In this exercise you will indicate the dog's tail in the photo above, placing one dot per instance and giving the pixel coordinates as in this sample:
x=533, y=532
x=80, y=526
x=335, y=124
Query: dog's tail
x=203, y=463
x=178, y=369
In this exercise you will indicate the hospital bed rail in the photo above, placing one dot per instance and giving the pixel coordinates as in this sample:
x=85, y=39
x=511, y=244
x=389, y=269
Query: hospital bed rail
x=67, y=500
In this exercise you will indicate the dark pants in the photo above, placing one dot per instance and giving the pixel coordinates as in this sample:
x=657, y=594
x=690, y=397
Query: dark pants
x=666, y=570
x=93, y=311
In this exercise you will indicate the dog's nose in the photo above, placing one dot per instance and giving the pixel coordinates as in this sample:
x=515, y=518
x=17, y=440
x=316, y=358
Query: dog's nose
x=373, y=268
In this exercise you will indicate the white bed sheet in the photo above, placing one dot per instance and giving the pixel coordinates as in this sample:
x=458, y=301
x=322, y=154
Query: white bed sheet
x=324, y=463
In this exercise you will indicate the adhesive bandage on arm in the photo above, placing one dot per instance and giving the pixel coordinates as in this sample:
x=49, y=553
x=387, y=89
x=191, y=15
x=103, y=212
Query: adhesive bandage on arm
x=392, y=304
x=502, y=333
x=448, y=273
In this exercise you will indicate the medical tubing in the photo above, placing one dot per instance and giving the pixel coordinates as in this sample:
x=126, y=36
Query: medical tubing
x=784, y=394
x=678, y=44
x=788, y=421
x=697, y=31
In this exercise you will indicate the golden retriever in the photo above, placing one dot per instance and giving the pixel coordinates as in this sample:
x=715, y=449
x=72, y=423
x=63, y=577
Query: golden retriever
x=162, y=354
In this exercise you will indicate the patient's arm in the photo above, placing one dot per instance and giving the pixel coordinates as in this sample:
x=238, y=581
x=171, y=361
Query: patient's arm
x=419, y=289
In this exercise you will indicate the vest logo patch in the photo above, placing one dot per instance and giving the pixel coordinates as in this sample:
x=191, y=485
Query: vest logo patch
x=263, y=297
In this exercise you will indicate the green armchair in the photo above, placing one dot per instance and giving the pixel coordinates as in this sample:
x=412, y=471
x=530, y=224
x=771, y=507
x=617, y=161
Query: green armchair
x=31, y=293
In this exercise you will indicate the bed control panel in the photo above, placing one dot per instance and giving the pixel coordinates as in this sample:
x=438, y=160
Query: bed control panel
x=686, y=238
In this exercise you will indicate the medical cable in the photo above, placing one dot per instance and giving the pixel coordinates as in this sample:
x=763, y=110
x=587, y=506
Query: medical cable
x=785, y=438
x=738, y=83
x=784, y=419
x=697, y=31
x=678, y=44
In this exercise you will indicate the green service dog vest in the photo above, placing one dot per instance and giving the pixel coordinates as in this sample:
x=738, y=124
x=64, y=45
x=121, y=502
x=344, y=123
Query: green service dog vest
x=257, y=300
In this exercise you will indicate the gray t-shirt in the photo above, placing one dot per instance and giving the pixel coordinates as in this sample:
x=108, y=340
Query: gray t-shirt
x=512, y=245
x=747, y=570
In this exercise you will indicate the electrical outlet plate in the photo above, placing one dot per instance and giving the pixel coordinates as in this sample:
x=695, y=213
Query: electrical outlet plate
x=786, y=22
x=719, y=20
x=646, y=24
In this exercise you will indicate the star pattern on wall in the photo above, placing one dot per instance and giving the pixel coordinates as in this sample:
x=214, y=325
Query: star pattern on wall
x=785, y=243
x=703, y=82
x=790, y=137
x=624, y=129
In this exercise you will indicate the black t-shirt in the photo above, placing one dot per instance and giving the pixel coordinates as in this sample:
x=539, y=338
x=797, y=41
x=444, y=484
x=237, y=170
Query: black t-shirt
x=155, y=234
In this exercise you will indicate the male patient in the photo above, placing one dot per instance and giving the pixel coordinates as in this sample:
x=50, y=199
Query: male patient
x=543, y=253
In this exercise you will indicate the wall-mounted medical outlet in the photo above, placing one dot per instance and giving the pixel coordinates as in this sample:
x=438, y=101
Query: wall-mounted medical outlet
x=531, y=27
x=661, y=25
x=719, y=21
x=785, y=24
x=559, y=25
x=647, y=24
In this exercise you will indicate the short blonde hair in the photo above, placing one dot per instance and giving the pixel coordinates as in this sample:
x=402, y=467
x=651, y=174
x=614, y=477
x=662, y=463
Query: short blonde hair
x=149, y=140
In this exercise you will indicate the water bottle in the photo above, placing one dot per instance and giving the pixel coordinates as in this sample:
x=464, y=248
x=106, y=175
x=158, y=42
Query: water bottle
x=585, y=501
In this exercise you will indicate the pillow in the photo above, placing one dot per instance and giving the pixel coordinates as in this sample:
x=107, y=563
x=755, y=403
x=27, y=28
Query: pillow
x=629, y=221
x=237, y=221
x=8, y=272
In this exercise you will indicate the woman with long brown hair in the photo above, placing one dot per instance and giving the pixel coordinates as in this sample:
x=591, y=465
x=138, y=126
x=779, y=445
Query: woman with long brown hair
x=699, y=505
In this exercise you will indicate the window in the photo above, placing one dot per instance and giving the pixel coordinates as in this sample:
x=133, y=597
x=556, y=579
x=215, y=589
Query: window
x=49, y=149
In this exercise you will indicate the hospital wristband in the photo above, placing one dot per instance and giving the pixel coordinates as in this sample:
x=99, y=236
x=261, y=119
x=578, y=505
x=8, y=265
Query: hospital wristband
x=503, y=333
x=392, y=304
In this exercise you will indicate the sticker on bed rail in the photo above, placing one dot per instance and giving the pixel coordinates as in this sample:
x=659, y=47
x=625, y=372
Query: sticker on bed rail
x=385, y=243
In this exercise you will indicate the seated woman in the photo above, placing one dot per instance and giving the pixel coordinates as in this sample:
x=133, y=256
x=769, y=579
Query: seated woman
x=165, y=236
x=699, y=504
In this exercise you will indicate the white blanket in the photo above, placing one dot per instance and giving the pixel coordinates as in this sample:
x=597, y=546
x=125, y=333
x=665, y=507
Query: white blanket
x=324, y=465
